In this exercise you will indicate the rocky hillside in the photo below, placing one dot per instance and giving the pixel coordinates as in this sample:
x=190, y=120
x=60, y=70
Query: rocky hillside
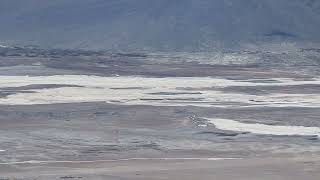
x=180, y=25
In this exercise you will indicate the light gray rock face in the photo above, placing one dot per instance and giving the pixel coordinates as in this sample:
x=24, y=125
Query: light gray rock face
x=157, y=25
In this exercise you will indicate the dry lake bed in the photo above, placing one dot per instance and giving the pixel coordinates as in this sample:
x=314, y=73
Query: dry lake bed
x=231, y=116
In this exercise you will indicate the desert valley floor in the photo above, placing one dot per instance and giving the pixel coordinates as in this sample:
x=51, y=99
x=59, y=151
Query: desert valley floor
x=237, y=115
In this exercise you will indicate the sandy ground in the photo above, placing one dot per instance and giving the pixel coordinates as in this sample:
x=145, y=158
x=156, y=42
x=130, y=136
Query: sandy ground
x=129, y=118
x=278, y=168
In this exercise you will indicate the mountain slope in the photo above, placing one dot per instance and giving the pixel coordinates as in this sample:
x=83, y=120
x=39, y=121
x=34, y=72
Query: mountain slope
x=157, y=24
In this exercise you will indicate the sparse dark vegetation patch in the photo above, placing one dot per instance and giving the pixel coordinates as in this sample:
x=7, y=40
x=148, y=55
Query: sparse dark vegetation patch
x=281, y=34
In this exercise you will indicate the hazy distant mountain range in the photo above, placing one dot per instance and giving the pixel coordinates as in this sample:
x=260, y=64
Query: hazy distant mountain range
x=173, y=25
